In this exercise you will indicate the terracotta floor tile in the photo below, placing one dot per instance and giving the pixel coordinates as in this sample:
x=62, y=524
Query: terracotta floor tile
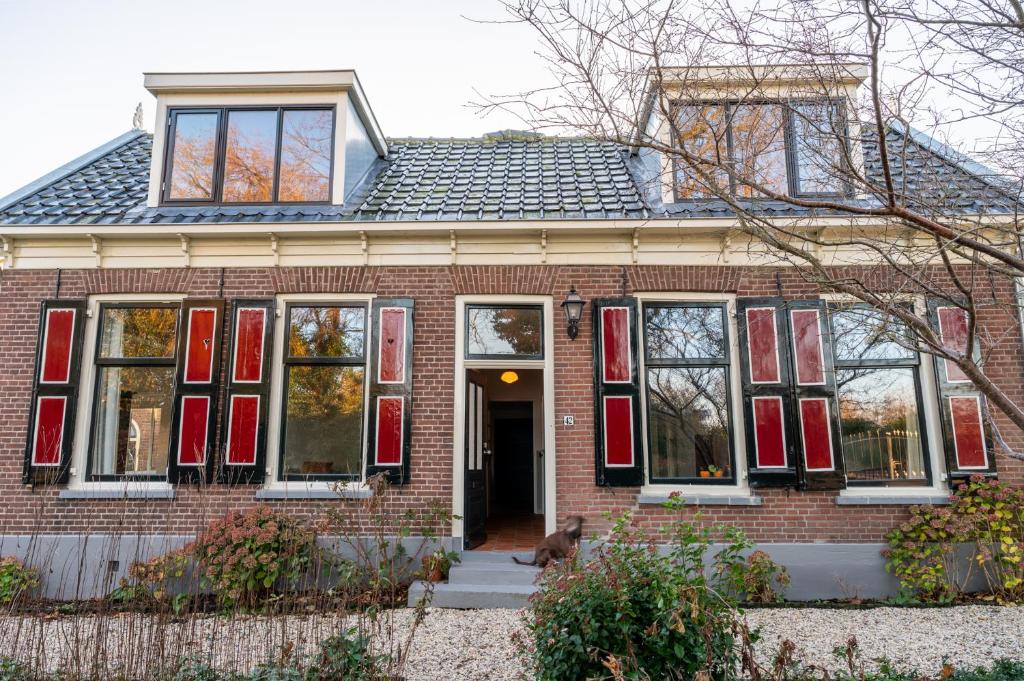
x=513, y=533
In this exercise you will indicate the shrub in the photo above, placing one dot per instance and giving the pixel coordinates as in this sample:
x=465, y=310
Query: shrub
x=985, y=516
x=244, y=555
x=762, y=580
x=152, y=579
x=15, y=579
x=633, y=612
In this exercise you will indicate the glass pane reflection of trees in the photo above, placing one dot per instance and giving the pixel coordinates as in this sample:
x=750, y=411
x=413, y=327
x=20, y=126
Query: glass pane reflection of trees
x=133, y=395
x=195, y=144
x=504, y=331
x=688, y=421
x=323, y=429
x=880, y=421
x=685, y=332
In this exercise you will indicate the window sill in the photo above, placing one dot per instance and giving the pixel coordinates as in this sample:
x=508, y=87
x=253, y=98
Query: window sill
x=651, y=497
x=146, y=490
x=906, y=499
x=299, y=491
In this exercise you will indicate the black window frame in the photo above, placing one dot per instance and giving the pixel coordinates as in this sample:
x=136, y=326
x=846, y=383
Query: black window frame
x=912, y=362
x=220, y=154
x=289, y=361
x=724, y=362
x=500, y=306
x=99, y=363
x=789, y=137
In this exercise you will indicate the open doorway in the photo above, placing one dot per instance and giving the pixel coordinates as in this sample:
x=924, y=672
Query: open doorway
x=504, y=459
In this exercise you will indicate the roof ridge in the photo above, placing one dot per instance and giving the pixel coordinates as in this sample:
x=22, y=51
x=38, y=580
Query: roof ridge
x=70, y=168
x=490, y=138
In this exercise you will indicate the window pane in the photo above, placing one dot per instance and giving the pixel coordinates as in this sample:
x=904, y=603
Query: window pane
x=881, y=427
x=685, y=332
x=818, y=134
x=195, y=140
x=249, y=156
x=326, y=332
x=132, y=422
x=306, y=155
x=324, y=420
x=862, y=333
x=138, y=332
x=702, y=133
x=504, y=331
x=689, y=422
x=759, y=146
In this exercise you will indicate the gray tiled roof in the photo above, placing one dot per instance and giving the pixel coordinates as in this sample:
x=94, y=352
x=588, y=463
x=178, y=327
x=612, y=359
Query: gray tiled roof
x=504, y=176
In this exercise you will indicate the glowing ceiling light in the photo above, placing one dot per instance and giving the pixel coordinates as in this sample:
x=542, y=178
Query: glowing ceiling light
x=509, y=377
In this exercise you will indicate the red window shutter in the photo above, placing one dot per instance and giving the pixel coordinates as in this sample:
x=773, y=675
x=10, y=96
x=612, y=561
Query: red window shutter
x=766, y=374
x=197, y=384
x=246, y=402
x=966, y=435
x=820, y=461
x=618, y=450
x=390, y=422
x=55, y=391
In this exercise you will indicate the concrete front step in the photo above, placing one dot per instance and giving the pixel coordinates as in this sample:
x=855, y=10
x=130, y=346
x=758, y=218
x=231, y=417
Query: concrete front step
x=471, y=596
x=483, y=579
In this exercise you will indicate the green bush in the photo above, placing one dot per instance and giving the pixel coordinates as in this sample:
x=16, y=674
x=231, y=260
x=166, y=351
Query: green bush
x=635, y=612
x=987, y=517
x=761, y=579
x=244, y=555
x=15, y=579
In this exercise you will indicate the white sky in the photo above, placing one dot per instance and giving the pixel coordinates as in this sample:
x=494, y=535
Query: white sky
x=71, y=72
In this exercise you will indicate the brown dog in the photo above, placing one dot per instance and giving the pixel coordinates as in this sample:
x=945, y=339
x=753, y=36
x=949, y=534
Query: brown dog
x=558, y=545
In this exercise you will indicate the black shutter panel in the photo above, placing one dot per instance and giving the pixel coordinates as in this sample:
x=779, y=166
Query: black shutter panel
x=246, y=400
x=768, y=413
x=816, y=425
x=390, y=419
x=617, y=425
x=51, y=424
x=193, y=426
x=966, y=433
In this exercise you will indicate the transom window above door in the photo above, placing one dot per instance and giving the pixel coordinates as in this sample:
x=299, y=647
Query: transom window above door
x=504, y=332
x=249, y=155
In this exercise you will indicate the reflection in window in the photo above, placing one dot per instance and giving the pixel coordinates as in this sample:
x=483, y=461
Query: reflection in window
x=881, y=424
x=879, y=410
x=688, y=413
x=138, y=332
x=134, y=391
x=324, y=421
x=759, y=146
x=688, y=422
x=685, y=332
x=701, y=131
x=504, y=331
x=863, y=333
x=818, y=132
x=249, y=156
x=323, y=414
x=326, y=331
x=195, y=139
x=306, y=155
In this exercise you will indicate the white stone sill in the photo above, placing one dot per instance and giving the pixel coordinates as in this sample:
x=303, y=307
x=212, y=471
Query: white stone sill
x=298, y=491
x=119, y=490
x=695, y=496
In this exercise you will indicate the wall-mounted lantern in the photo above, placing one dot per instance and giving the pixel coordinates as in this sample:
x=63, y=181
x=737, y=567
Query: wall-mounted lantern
x=573, y=306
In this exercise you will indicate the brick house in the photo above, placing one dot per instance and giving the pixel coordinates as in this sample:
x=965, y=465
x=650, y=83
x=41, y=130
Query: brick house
x=268, y=296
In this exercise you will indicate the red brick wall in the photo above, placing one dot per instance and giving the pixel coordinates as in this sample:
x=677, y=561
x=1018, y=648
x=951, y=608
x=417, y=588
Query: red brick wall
x=785, y=515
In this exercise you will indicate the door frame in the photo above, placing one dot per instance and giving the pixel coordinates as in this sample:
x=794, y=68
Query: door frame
x=546, y=366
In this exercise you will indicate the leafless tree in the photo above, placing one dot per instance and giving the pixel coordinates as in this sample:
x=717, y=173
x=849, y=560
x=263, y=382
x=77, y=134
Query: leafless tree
x=874, y=216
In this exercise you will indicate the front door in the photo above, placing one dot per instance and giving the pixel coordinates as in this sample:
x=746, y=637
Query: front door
x=475, y=517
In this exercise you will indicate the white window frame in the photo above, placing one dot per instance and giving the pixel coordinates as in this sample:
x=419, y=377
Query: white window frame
x=87, y=396
x=275, y=420
x=932, y=420
x=740, y=486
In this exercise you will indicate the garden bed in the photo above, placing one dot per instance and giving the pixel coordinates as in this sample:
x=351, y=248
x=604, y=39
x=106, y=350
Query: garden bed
x=479, y=644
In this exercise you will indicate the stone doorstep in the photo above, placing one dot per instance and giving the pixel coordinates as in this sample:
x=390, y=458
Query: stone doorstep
x=484, y=579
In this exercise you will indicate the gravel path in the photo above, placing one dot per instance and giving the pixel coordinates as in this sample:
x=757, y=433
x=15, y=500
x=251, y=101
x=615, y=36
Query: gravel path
x=471, y=645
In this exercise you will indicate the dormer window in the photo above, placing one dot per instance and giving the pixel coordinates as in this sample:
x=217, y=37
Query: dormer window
x=249, y=155
x=792, y=148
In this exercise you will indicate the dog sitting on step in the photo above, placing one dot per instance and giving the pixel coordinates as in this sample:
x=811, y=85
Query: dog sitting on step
x=558, y=545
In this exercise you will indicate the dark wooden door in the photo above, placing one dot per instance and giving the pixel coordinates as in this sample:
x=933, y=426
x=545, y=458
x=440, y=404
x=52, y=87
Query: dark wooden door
x=475, y=517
